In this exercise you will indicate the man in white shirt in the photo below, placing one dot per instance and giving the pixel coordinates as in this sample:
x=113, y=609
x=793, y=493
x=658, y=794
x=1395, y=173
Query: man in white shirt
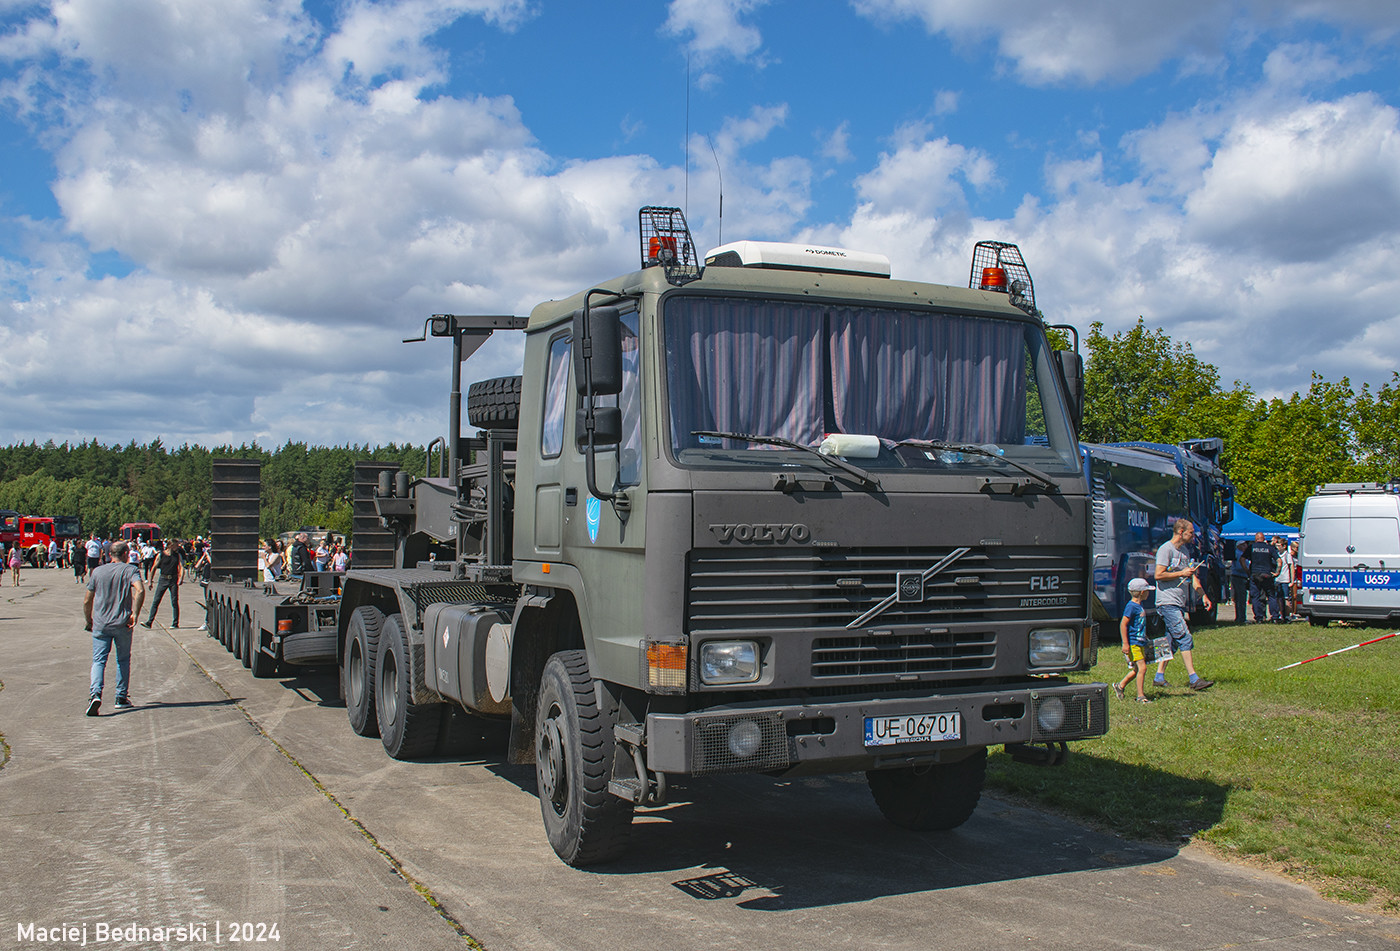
x=1176, y=576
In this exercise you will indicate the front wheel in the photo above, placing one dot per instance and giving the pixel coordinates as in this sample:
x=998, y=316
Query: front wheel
x=574, y=749
x=923, y=798
x=408, y=729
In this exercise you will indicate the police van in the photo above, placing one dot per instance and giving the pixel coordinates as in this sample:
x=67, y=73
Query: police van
x=1349, y=553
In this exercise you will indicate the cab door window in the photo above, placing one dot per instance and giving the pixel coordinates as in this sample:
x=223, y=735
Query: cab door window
x=556, y=397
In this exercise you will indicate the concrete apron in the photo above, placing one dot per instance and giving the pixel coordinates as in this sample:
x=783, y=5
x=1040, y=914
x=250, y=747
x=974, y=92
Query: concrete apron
x=186, y=809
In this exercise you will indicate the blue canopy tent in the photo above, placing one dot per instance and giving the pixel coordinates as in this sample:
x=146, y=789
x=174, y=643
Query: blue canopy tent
x=1246, y=524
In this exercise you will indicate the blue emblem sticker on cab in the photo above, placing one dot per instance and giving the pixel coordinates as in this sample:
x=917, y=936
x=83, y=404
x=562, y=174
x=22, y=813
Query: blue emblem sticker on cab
x=594, y=511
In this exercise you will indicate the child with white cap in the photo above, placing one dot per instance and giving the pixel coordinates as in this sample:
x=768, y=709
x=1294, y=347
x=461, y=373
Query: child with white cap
x=1133, y=627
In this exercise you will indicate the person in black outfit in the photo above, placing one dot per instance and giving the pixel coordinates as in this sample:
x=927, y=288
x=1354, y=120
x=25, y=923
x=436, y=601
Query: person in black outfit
x=1239, y=580
x=169, y=568
x=1263, y=566
x=299, y=562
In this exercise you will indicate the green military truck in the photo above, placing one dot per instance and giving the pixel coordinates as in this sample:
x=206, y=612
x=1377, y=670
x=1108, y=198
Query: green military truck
x=777, y=513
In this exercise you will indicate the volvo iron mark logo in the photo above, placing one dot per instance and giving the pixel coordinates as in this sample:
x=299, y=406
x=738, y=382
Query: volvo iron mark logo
x=910, y=585
x=748, y=533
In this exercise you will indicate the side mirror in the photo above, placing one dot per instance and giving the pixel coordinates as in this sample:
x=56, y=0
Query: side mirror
x=1072, y=373
x=598, y=351
x=607, y=427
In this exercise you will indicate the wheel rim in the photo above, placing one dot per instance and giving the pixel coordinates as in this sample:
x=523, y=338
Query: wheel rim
x=389, y=688
x=553, y=767
x=356, y=678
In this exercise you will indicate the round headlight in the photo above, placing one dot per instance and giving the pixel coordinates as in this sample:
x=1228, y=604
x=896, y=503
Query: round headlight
x=1050, y=715
x=745, y=738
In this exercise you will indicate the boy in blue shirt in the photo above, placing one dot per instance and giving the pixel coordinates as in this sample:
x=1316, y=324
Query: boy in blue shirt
x=1134, y=630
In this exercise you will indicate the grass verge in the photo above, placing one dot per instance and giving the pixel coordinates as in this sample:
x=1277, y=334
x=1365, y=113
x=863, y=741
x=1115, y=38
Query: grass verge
x=1297, y=769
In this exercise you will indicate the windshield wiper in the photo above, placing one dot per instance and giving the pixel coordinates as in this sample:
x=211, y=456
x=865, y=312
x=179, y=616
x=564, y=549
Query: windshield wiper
x=970, y=449
x=833, y=461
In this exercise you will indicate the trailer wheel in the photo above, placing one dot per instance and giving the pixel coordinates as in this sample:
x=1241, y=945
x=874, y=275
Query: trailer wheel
x=941, y=796
x=1316, y=621
x=357, y=670
x=262, y=664
x=494, y=404
x=408, y=729
x=245, y=639
x=574, y=749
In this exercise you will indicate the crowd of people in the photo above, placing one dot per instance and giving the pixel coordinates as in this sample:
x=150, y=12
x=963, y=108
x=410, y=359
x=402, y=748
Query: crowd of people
x=118, y=575
x=85, y=555
x=278, y=561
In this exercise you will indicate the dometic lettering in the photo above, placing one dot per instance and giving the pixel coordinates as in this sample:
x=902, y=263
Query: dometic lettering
x=828, y=251
x=762, y=534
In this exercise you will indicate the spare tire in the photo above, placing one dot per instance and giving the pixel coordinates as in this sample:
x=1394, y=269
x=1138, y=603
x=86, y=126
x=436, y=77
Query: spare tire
x=494, y=404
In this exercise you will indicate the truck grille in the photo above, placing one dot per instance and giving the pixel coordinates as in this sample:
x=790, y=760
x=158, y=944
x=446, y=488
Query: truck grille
x=777, y=590
x=861, y=656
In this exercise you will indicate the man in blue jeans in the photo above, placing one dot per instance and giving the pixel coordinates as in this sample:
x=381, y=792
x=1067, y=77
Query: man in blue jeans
x=1176, y=576
x=112, y=604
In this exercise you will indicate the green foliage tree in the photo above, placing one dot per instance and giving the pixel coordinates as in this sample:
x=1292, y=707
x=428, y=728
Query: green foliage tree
x=1139, y=385
x=107, y=486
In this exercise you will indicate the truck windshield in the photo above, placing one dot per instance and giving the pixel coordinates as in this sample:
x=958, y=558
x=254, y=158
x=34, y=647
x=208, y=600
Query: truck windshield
x=799, y=371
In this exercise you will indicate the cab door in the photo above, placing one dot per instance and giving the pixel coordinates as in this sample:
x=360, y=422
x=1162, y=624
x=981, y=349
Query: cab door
x=604, y=540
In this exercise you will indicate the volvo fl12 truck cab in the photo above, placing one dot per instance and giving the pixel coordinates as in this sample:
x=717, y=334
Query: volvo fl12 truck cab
x=780, y=513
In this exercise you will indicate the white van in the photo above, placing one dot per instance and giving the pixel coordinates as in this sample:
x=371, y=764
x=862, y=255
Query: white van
x=1349, y=553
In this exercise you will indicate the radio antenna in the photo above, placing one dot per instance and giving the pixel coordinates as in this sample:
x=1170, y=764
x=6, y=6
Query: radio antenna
x=720, y=172
x=687, y=133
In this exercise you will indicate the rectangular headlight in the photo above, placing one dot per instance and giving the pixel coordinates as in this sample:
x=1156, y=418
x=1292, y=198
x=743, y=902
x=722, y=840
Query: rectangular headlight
x=728, y=662
x=1052, y=647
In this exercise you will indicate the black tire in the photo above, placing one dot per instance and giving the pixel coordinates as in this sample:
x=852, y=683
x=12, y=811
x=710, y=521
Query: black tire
x=409, y=730
x=941, y=796
x=1318, y=621
x=245, y=639
x=574, y=749
x=357, y=669
x=263, y=664
x=494, y=404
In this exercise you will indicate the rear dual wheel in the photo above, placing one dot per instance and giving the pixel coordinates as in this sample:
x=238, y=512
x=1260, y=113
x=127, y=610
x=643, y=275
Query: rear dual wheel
x=357, y=669
x=409, y=730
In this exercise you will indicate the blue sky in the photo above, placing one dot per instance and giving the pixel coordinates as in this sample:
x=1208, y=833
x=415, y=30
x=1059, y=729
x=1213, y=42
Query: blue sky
x=217, y=220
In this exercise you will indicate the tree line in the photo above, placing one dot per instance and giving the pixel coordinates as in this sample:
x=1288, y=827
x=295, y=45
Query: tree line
x=1139, y=384
x=107, y=486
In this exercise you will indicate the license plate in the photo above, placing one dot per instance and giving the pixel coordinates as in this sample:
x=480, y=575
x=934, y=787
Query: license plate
x=912, y=728
x=1329, y=596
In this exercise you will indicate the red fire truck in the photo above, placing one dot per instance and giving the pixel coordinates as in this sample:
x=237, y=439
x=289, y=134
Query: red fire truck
x=32, y=533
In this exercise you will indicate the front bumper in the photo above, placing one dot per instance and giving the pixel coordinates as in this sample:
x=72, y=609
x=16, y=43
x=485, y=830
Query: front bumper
x=830, y=737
